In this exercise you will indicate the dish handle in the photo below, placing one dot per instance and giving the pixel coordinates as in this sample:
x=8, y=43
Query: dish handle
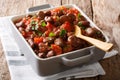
x=77, y=61
x=39, y=7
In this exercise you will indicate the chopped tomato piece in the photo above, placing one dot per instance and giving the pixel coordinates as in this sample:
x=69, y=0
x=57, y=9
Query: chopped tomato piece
x=38, y=40
x=47, y=33
x=57, y=49
x=63, y=8
x=56, y=10
x=27, y=22
x=73, y=11
x=49, y=26
x=55, y=18
x=67, y=26
x=59, y=9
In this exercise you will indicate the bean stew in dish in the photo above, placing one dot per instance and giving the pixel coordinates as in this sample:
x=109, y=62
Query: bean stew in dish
x=51, y=33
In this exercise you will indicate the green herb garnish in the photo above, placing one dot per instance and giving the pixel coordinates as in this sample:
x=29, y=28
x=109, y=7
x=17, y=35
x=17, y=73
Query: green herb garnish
x=62, y=32
x=33, y=22
x=79, y=24
x=43, y=24
x=35, y=27
x=79, y=15
x=98, y=32
x=51, y=34
x=83, y=27
x=39, y=33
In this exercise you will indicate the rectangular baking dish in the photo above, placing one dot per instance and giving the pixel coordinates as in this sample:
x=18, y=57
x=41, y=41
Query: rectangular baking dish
x=56, y=64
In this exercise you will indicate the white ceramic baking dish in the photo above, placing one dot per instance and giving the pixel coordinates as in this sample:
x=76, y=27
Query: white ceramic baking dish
x=56, y=64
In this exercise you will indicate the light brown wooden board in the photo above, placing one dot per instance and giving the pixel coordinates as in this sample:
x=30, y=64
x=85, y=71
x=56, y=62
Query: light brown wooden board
x=105, y=13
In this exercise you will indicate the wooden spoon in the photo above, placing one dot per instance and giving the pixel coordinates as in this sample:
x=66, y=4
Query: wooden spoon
x=100, y=44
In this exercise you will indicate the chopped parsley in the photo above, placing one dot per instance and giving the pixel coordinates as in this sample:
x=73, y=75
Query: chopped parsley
x=33, y=22
x=43, y=23
x=79, y=15
x=35, y=27
x=80, y=25
x=51, y=34
x=98, y=32
x=62, y=32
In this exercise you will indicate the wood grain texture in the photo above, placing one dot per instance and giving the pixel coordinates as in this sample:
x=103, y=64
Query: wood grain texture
x=105, y=13
x=14, y=7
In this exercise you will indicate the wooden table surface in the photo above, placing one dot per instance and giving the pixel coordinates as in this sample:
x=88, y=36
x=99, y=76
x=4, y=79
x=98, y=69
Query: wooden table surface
x=105, y=13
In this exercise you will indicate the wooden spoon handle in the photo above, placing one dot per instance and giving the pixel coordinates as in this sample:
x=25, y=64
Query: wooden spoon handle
x=100, y=44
